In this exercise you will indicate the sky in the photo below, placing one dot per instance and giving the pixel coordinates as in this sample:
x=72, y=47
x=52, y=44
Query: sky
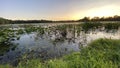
x=57, y=9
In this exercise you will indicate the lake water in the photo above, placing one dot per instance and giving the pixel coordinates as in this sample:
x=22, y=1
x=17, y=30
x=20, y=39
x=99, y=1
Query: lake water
x=54, y=42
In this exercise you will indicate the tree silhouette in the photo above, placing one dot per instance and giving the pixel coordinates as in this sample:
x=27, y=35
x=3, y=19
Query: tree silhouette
x=114, y=18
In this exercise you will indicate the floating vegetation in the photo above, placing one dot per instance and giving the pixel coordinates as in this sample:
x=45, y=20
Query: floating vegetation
x=20, y=31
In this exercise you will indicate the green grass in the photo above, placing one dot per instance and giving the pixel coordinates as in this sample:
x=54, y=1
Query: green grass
x=101, y=53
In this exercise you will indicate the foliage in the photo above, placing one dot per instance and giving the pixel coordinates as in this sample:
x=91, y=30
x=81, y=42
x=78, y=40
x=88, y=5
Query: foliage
x=5, y=21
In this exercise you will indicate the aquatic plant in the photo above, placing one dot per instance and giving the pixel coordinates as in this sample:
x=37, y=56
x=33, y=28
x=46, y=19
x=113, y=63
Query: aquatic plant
x=90, y=26
x=111, y=26
x=20, y=31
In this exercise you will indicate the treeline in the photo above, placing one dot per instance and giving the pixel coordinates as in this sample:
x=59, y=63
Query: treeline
x=31, y=21
x=85, y=19
x=5, y=21
x=114, y=18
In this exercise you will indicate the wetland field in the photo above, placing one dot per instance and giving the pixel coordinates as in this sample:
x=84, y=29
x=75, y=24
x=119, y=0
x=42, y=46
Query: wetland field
x=59, y=45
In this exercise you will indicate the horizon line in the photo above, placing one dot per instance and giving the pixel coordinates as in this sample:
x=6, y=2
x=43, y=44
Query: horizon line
x=61, y=19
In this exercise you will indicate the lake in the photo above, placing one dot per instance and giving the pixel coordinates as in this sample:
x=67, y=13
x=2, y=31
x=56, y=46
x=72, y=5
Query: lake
x=47, y=41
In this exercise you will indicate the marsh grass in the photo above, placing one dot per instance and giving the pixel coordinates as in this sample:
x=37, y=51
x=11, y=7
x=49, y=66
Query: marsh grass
x=90, y=25
x=112, y=26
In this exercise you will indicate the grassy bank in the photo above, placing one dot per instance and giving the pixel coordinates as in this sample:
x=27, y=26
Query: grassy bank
x=101, y=53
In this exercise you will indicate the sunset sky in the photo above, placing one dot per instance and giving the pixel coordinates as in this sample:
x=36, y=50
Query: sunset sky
x=57, y=9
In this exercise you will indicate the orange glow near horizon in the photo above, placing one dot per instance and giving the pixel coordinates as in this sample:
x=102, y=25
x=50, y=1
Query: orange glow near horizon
x=104, y=11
